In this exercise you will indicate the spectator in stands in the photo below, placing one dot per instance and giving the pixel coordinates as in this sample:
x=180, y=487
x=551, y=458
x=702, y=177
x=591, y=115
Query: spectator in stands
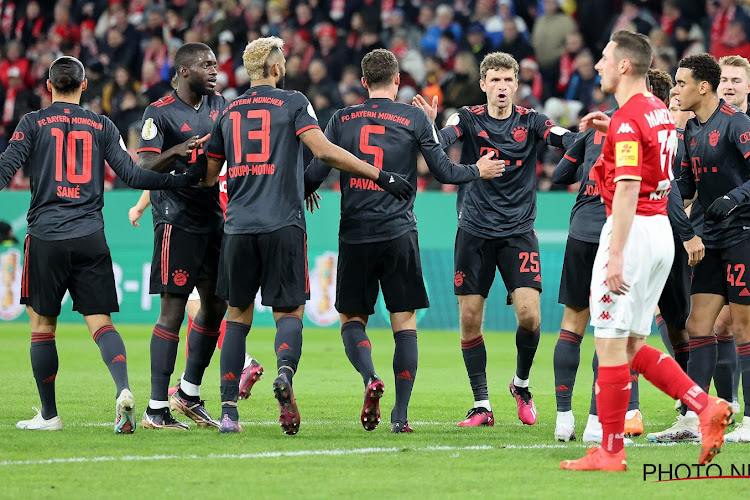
x=32, y=25
x=321, y=83
x=116, y=52
x=725, y=13
x=395, y=23
x=530, y=77
x=548, y=40
x=63, y=27
x=573, y=46
x=584, y=80
x=96, y=82
x=507, y=13
x=462, y=89
x=175, y=25
x=14, y=59
x=114, y=92
x=634, y=18
x=486, y=16
x=476, y=41
x=733, y=42
x=332, y=53
x=443, y=21
x=513, y=43
x=296, y=77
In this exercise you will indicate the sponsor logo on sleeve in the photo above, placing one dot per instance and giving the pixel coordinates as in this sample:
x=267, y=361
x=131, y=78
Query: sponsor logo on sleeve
x=311, y=111
x=149, y=130
x=626, y=154
x=453, y=120
x=625, y=128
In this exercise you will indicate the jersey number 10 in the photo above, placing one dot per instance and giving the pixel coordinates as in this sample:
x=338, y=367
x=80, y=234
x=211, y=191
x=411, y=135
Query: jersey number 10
x=70, y=161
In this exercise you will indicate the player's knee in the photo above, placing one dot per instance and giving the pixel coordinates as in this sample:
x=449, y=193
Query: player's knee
x=528, y=318
x=698, y=327
x=213, y=309
x=471, y=323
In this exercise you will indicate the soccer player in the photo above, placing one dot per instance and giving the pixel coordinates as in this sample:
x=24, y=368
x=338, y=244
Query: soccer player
x=378, y=237
x=715, y=169
x=65, y=248
x=260, y=134
x=496, y=226
x=187, y=237
x=252, y=369
x=634, y=257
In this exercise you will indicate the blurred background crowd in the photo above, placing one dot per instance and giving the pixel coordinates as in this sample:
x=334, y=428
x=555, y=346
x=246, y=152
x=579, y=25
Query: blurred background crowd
x=128, y=48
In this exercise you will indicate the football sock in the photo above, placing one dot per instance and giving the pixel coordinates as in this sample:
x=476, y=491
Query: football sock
x=358, y=348
x=681, y=355
x=702, y=362
x=164, y=344
x=612, y=403
x=664, y=332
x=664, y=372
x=44, y=364
x=566, y=359
x=726, y=364
x=288, y=345
x=595, y=369
x=405, y=356
x=743, y=351
x=475, y=360
x=202, y=344
x=187, y=337
x=113, y=353
x=526, y=344
x=222, y=332
x=634, y=395
x=231, y=367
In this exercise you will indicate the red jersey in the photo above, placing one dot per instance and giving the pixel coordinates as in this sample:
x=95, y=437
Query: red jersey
x=640, y=145
x=223, y=196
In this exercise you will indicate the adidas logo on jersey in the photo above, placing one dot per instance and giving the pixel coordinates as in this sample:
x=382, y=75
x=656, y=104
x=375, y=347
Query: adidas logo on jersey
x=185, y=128
x=625, y=128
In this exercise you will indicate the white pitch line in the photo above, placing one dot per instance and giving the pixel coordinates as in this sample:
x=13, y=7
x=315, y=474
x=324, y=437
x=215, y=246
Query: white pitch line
x=267, y=454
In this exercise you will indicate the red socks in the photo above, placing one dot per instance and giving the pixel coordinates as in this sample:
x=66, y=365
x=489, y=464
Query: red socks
x=664, y=372
x=612, y=396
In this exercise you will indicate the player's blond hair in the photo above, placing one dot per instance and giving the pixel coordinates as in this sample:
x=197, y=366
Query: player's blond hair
x=737, y=62
x=497, y=61
x=256, y=55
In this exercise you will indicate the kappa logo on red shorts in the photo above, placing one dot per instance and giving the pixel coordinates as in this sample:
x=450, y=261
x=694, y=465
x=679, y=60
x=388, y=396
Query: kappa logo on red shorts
x=519, y=134
x=458, y=279
x=713, y=137
x=180, y=277
x=605, y=316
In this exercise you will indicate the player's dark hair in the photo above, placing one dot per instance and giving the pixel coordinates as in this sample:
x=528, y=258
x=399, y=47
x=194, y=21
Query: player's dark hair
x=185, y=54
x=703, y=68
x=661, y=83
x=634, y=47
x=379, y=67
x=66, y=75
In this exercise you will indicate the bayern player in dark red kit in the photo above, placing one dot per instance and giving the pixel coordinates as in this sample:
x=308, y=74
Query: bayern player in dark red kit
x=496, y=226
x=635, y=256
x=260, y=135
x=65, y=248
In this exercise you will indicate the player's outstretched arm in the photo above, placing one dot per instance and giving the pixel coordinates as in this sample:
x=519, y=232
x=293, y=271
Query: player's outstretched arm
x=624, y=204
x=342, y=159
x=136, y=211
x=17, y=152
x=212, y=171
x=161, y=162
x=568, y=171
x=596, y=120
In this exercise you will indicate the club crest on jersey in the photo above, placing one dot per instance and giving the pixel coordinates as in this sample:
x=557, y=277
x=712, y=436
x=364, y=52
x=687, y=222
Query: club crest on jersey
x=713, y=137
x=626, y=154
x=625, y=128
x=180, y=277
x=148, y=131
x=213, y=114
x=519, y=134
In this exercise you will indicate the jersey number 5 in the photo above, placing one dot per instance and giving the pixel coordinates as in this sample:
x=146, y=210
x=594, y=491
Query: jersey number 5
x=73, y=137
x=263, y=135
x=367, y=148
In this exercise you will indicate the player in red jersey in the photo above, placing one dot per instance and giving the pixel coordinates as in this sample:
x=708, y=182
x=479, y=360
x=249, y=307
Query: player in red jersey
x=634, y=257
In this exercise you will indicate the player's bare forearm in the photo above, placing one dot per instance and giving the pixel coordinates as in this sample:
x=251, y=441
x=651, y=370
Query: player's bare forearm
x=157, y=162
x=624, y=204
x=213, y=170
x=144, y=201
x=337, y=157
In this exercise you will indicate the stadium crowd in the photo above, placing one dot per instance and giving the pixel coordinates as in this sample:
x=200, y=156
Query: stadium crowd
x=128, y=50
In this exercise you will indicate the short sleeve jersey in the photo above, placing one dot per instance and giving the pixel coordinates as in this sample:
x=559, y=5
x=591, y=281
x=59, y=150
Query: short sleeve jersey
x=258, y=135
x=640, y=145
x=718, y=153
x=166, y=123
x=505, y=206
x=388, y=135
x=66, y=147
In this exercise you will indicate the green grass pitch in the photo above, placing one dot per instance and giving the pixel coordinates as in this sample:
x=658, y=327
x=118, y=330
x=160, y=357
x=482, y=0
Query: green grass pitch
x=332, y=456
